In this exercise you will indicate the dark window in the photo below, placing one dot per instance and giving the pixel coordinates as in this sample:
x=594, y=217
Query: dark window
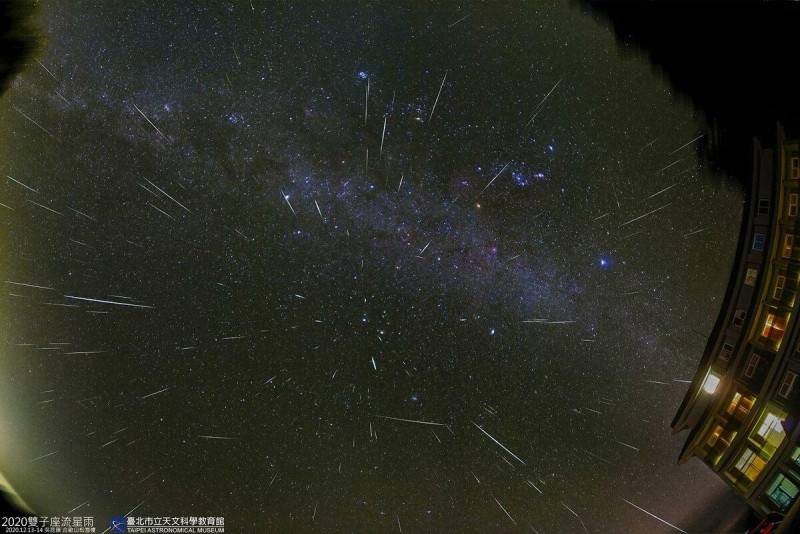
x=752, y=365
x=725, y=353
x=759, y=241
x=787, y=384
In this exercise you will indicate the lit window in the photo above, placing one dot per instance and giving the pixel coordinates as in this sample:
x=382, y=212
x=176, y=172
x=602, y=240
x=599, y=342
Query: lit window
x=788, y=243
x=759, y=241
x=771, y=423
x=712, y=439
x=780, y=283
x=787, y=385
x=734, y=402
x=794, y=200
x=738, y=317
x=752, y=365
x=768, y=432
x=795, y=169
x=749, y=464
x=782, y=491
x=725, y=353
x=768, y=325
x=740, y=406
x=710, y=383
x=774, y=327
x=751, y=277
x=744, y=459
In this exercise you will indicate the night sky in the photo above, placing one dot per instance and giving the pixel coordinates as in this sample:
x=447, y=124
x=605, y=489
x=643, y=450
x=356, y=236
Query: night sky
x=354, y=268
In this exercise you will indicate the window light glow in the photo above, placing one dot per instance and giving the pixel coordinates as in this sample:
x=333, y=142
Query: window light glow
x=710, y=384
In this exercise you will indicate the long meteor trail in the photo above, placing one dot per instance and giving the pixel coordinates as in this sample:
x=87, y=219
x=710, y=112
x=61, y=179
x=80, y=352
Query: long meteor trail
x=20, y=183
x=409, y=420
x=100, y=301
x=520, y=460
x=168, y=195
x=654, y=516
x=149, y=121
x=28, y=285
x=495, y=177
x=155, y=393
x=437, y=96
x=645, y=215
x=541, y=104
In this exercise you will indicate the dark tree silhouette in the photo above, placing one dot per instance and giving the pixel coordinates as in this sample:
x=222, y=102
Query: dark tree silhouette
x=735, y=61
x=19, y=38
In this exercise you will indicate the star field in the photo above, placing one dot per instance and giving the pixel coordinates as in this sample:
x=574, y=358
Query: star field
x=353, y=267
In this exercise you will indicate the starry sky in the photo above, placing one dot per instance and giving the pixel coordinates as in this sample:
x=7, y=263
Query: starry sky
x=354, y=267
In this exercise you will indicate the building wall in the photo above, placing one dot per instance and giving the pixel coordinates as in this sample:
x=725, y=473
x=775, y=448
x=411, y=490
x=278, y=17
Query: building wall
x=743, y=405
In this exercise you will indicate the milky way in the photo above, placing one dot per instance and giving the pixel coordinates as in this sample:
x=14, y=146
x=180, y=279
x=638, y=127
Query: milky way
x=353, y=267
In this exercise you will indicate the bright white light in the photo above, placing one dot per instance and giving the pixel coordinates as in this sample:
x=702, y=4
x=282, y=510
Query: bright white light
x=711, y=383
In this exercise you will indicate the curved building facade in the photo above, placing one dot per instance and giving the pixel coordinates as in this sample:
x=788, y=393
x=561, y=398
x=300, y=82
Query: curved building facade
x=743, y=404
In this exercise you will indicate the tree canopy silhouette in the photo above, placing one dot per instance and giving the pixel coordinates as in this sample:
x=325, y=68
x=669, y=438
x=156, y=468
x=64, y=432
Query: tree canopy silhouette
x=19, y=38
